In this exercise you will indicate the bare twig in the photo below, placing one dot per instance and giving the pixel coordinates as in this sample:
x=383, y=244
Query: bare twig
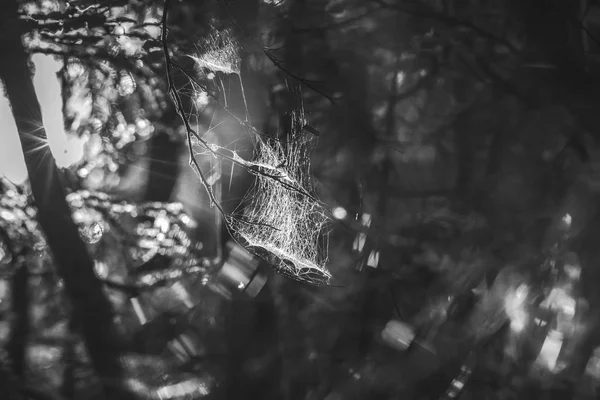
x=222, y=106
x=191, y=133
x=425, y=12
x=297, y=78
x=280, y=65
x=179, y=107
x=336, y=25
x=216, y=151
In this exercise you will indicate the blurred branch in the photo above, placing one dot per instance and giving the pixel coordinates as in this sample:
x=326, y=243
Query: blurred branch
x=499, y=81
x=578, y=23
x=280, y=65
x=571, y=81
x=336, y=25
x=484, y=73
x=299, y=79
x=95, y=59
x=421, y=10
x=72, y=19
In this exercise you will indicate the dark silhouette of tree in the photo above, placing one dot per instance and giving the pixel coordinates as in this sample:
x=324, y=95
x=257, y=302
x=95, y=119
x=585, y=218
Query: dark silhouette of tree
x=90, y=306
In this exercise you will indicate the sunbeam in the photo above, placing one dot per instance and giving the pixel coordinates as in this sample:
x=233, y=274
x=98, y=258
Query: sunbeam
x=65, y=148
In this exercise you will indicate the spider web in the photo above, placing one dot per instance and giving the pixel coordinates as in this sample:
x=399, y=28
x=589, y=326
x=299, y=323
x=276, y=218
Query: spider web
x=282, y=220
x=285, y=223
x=219, y=52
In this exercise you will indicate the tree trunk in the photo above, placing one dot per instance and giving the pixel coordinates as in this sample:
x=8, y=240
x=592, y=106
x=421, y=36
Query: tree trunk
x=8, y=385
x=69, y=253
x=164, y=167
x=20, y=304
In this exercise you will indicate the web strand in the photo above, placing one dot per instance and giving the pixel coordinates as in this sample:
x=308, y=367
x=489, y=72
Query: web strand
x=296, y=232
x=282, y=220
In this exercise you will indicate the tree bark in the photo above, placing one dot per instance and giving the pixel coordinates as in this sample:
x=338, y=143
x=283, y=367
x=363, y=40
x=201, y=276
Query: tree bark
x=74, y=264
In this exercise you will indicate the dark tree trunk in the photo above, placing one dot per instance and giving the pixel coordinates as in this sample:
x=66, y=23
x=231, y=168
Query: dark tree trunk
x=70, y=255
x=20, y=306
x=8, y=385
x=164, y=167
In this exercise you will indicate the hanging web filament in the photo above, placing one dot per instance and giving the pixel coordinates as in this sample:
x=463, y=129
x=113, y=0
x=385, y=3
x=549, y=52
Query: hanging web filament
x=286, y=220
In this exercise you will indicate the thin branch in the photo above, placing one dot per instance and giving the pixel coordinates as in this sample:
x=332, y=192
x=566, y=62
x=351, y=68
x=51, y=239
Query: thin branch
x=579, y=24
x=499, y=81
x=179, y=107
x=217, y=151
x=191, y=133
x=336, y=25
x=297, y=78
x=279, y=64
x=222, y=106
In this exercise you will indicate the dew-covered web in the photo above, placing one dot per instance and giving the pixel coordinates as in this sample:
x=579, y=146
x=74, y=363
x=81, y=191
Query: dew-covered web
x=286, y=221
x=219, y=52
x=281, y=218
